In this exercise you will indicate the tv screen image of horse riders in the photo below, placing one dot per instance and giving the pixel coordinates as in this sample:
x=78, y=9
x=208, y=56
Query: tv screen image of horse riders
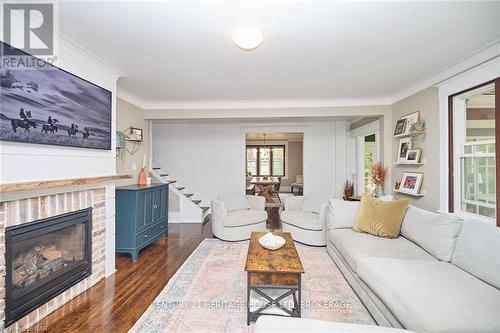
x=51, y=106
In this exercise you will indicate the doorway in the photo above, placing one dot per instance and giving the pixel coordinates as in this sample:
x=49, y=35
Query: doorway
x=367, y=147
x=278, y=156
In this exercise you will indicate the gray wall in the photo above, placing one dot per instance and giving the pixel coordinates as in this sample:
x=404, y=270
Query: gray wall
x=294, y=162
x=427, y=102
x=130, y=115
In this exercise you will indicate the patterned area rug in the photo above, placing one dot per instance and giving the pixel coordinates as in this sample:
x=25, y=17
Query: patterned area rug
x=208, y=292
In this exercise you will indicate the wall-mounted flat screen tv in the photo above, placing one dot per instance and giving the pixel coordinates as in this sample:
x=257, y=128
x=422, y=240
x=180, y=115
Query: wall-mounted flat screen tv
x=47, y=105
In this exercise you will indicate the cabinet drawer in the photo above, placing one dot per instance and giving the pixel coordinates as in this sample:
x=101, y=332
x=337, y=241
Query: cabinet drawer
x=151, y=233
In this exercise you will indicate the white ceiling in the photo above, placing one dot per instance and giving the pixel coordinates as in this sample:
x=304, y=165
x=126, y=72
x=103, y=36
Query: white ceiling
x=182, y=51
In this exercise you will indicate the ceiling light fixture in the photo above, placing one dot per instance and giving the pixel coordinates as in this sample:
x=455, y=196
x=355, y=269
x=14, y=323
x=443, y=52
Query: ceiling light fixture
x=247, y=38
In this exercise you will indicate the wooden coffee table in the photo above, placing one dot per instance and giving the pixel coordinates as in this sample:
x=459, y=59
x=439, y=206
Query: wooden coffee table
x=277, y=270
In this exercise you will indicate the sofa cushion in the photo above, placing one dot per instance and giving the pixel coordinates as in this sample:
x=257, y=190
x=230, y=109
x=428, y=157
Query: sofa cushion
x=355, y=246
x=478, y=250
x=433, y=296
x=435, y=233
x=380, y=218
x=313, y=202
x=302, y=219
x=234, y=201
x=241, y=218
x=342, y=214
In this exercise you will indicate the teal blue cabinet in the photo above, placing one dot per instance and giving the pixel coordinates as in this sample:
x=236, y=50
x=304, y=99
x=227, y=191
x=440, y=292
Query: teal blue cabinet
x=141, y=216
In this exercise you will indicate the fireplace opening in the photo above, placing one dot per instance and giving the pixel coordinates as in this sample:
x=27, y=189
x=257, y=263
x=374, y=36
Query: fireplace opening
x=44, y=258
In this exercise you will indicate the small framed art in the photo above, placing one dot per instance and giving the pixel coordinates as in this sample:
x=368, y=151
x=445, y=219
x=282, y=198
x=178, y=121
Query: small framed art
x=400, y=127
x=404, y=145
x=411, y=182
x=413, y=156
x=136, y=134
x=411, y=119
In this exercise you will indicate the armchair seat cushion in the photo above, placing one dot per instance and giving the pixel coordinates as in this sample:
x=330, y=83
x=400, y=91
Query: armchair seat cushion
x=241, y=218
x=302, y=219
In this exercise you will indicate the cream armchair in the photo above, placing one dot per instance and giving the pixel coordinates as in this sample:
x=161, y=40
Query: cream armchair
x=235, y=216
x=305, y=218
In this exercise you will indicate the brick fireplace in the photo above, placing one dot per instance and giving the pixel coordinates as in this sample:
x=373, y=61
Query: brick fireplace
x=18, y=212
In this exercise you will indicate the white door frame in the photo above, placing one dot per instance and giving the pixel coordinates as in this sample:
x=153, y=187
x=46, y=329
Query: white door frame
x=357, y=166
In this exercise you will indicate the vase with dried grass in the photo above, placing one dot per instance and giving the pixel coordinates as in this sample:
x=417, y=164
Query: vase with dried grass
x=348, y=190
x=378, y=177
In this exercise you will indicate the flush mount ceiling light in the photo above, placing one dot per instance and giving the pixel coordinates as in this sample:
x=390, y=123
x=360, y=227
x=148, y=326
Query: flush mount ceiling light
x=247, y=38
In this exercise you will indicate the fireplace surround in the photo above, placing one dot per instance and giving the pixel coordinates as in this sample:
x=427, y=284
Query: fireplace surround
x=34, y=207
x=44, y=258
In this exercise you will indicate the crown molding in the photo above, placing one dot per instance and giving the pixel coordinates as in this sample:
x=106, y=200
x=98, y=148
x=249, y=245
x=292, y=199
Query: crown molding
x=89, y=55
x=487, y=53
x=268, y=104
x=130, y=98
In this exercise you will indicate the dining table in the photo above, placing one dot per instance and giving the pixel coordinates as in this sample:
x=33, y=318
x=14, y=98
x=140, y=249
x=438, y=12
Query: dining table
x=265, y=184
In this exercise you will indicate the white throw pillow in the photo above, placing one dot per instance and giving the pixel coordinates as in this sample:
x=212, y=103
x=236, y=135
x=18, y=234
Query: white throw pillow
x=234, y=201
x=342, y=214
x=435, y=233
x=313, y=202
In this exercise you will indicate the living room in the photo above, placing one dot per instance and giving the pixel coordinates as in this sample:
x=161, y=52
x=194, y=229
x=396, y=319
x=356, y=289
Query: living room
x=249, y=166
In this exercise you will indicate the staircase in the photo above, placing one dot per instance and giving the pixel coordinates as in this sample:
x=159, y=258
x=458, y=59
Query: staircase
x=188, y=209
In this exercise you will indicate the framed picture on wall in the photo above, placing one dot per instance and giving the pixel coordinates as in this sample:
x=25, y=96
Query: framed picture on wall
x=404, y=145
x=400, y=127
x=47, y=105
x=136, y=134
x=411, y=182
x=413, y=155
x=411, y=119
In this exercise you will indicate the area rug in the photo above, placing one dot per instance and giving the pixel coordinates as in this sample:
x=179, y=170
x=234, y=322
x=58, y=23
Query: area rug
x=208, y=292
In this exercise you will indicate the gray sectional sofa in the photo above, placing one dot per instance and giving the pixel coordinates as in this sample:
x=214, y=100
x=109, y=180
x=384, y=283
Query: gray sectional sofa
x=441, y=275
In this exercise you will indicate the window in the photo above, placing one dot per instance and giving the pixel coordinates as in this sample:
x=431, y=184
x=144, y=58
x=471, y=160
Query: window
x=473, y=136
x=268, y=160
x=369, y=160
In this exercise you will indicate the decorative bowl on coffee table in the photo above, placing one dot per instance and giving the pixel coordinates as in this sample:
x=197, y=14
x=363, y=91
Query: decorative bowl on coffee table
x=271, y=242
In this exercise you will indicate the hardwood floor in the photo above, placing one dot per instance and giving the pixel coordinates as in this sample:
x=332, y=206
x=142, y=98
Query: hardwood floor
x=117, y=302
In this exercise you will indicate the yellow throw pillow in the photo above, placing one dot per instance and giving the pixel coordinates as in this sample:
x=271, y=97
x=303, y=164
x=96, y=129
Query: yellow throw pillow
x=380, y=218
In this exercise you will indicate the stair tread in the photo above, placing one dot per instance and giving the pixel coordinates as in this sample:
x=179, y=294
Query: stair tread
x=196, y=201
x=204, y=209
x=188, y=195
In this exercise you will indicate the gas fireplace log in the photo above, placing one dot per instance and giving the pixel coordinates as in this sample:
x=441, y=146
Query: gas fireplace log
x=51, y=253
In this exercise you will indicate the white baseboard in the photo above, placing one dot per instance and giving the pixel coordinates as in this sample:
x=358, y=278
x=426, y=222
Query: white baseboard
x=178, y=221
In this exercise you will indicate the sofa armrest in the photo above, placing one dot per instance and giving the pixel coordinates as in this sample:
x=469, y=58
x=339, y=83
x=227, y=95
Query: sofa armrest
x=294, y=203
x=323, y=215
x=219, y=213
x=256, y=202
